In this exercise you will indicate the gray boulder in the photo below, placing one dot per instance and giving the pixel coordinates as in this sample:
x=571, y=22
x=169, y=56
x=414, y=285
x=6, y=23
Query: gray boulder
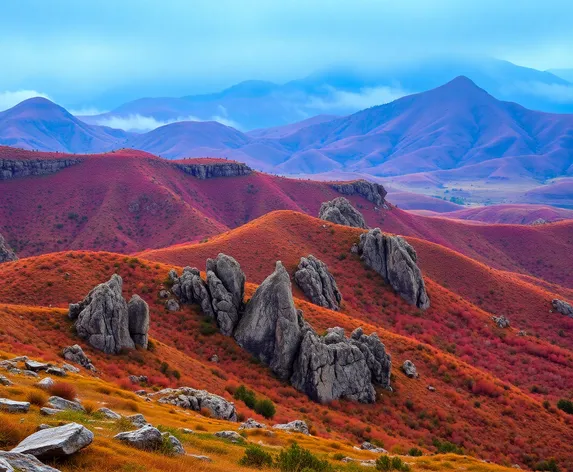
x=110, y=414
x=296, y=426
x=60, y=403
x=13, y=406
x=252, y=424
x=46, y=383
x=500, y=321
x=146, y=438
x=4, y=381
x=226, y=282
x=368, y=446
x=6, y=253
x=24, y=462
x=341, y=212
x=76, y=355
x=138, y=313
x=174, y=444
x=172, y=305
x=332, y=367
x=232, y=436
x=196, y=400
x=191, y=288
x=36, y=366
x=50, y=411
x=102, y=317
x=56, y=442
x=317, y=283
x=410, y=369
x=137, y=420
x=271, y=327
x=395, y=260
x=563, y=307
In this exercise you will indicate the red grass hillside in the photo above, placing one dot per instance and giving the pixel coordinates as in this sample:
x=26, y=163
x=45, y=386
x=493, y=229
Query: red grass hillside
x=484, y=415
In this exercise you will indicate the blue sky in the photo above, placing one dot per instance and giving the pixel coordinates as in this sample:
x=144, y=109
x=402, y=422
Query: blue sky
x=85, y=52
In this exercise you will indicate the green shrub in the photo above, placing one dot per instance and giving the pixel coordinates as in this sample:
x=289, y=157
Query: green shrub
x=297, y=459
x=256, y=457
x=386, y=463
x=415, y=452
x=266, y=408
x=550, y=466
x=446, y=447
x=565, y=405
x=246, y=395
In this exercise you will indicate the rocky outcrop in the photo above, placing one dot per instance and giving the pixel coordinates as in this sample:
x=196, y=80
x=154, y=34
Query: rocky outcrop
x=296, y=426
x=334, y=366
x=104, y=319
x=341, y=212
x=24, y=462
x=76, y=355
x=138, y=314
x=372, y=192
x=215, y=169
x=271, y=327
x=501, y=321
x=146, y=438
x=395, y=260
x=196, y=400
x=12, y=168
x=252, y=424
x=190, y=288
x=317, y=283
x=226, y=282
x=60, y=441
x=6, y=252
x=563, y=307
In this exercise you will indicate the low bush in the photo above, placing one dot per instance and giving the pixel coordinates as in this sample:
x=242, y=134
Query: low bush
x=297, y=459
x=265, y=408
x=256, y=457
x=415, y=452
x=395, y=463
x=37, y=397
x=64, y=390
x=565, y=405
x=446, y=447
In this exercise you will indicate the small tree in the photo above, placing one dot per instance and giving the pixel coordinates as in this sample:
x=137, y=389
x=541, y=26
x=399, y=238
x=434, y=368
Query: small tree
x=565, y=405
x=266, y=408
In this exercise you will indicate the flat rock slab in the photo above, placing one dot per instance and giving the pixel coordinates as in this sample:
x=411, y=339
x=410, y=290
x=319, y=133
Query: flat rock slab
x=60, y=403
x=50, y=411
x=36, y=366
x=56, y=442
x=56, y=371
x=25, y=462
x=112, y=415
x=12, y=406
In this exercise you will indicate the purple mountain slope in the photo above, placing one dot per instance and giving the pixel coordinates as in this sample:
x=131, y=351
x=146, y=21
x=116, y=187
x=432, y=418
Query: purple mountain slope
x=39, y=124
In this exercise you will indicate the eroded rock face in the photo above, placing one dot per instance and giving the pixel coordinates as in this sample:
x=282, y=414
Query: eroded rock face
x=107, y=322
x=217, y=169
x=12, y=168
x=271, y=327
x=190, y=288
x=6, y=253
x=372, y=192
x=377, y=359
x=76, y=355
x=193, y=399
x=317, y=283
x=332, y=367
x=563, y=307
x=341, y=212
x=226, y=282
x=395, y=260
x=138, y=313
x=56, y=442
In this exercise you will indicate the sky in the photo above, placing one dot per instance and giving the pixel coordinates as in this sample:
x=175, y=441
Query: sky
x=91, y=54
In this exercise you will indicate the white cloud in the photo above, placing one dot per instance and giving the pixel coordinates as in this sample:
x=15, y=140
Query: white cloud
x=557, y=93
x=143, y=123
x=10, y=99
x=87, y=111
x=343, y=101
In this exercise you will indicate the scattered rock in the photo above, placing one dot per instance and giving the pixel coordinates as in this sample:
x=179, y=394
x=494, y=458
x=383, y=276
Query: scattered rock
x=106, y=412
x=5, y=381
x=522, y=332
x=46, y=383
x=232, y=436
x=362, y=462
x=12, y=406
x=146, y=438
x=29, y=373
x=172, y=305
x=367, y=446
x=176, y=446
x=56, y=442
x=226, y=282
x=50, y=411
x=395, y=260
x=35, y=366
x=104, y=319
x=6, y=252
x=187, y=431
x=163, y=294
x=410, y=369
x=538, y=221
x=138, y=379
x=252, y=424
x=76, y=355
x=317, y=283
x=431, y=388
x=56, y=371
x=196, y=400
x=214, y=358
x=341, y=212
x=138, y=311
x=24, y=462
x=500, y=321
x=271, y=327
x=70, y=368
x=138, y=420
x=201, y=458
x=60, y=403
x=296, y=426
x=563, y=307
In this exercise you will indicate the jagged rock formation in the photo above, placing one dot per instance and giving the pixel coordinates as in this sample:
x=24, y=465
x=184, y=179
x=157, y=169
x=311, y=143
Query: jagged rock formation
x=317, y=283
x=103, y=318
x=563, y=307
x=395, y=260
x=6, y=253
x=138, y=314
x=190, y=398
x=215, y=169
x=372, y=192
x=226, y=283
x=76, y=355
x=12, y=168
x=341, y=212
x=271, y=326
